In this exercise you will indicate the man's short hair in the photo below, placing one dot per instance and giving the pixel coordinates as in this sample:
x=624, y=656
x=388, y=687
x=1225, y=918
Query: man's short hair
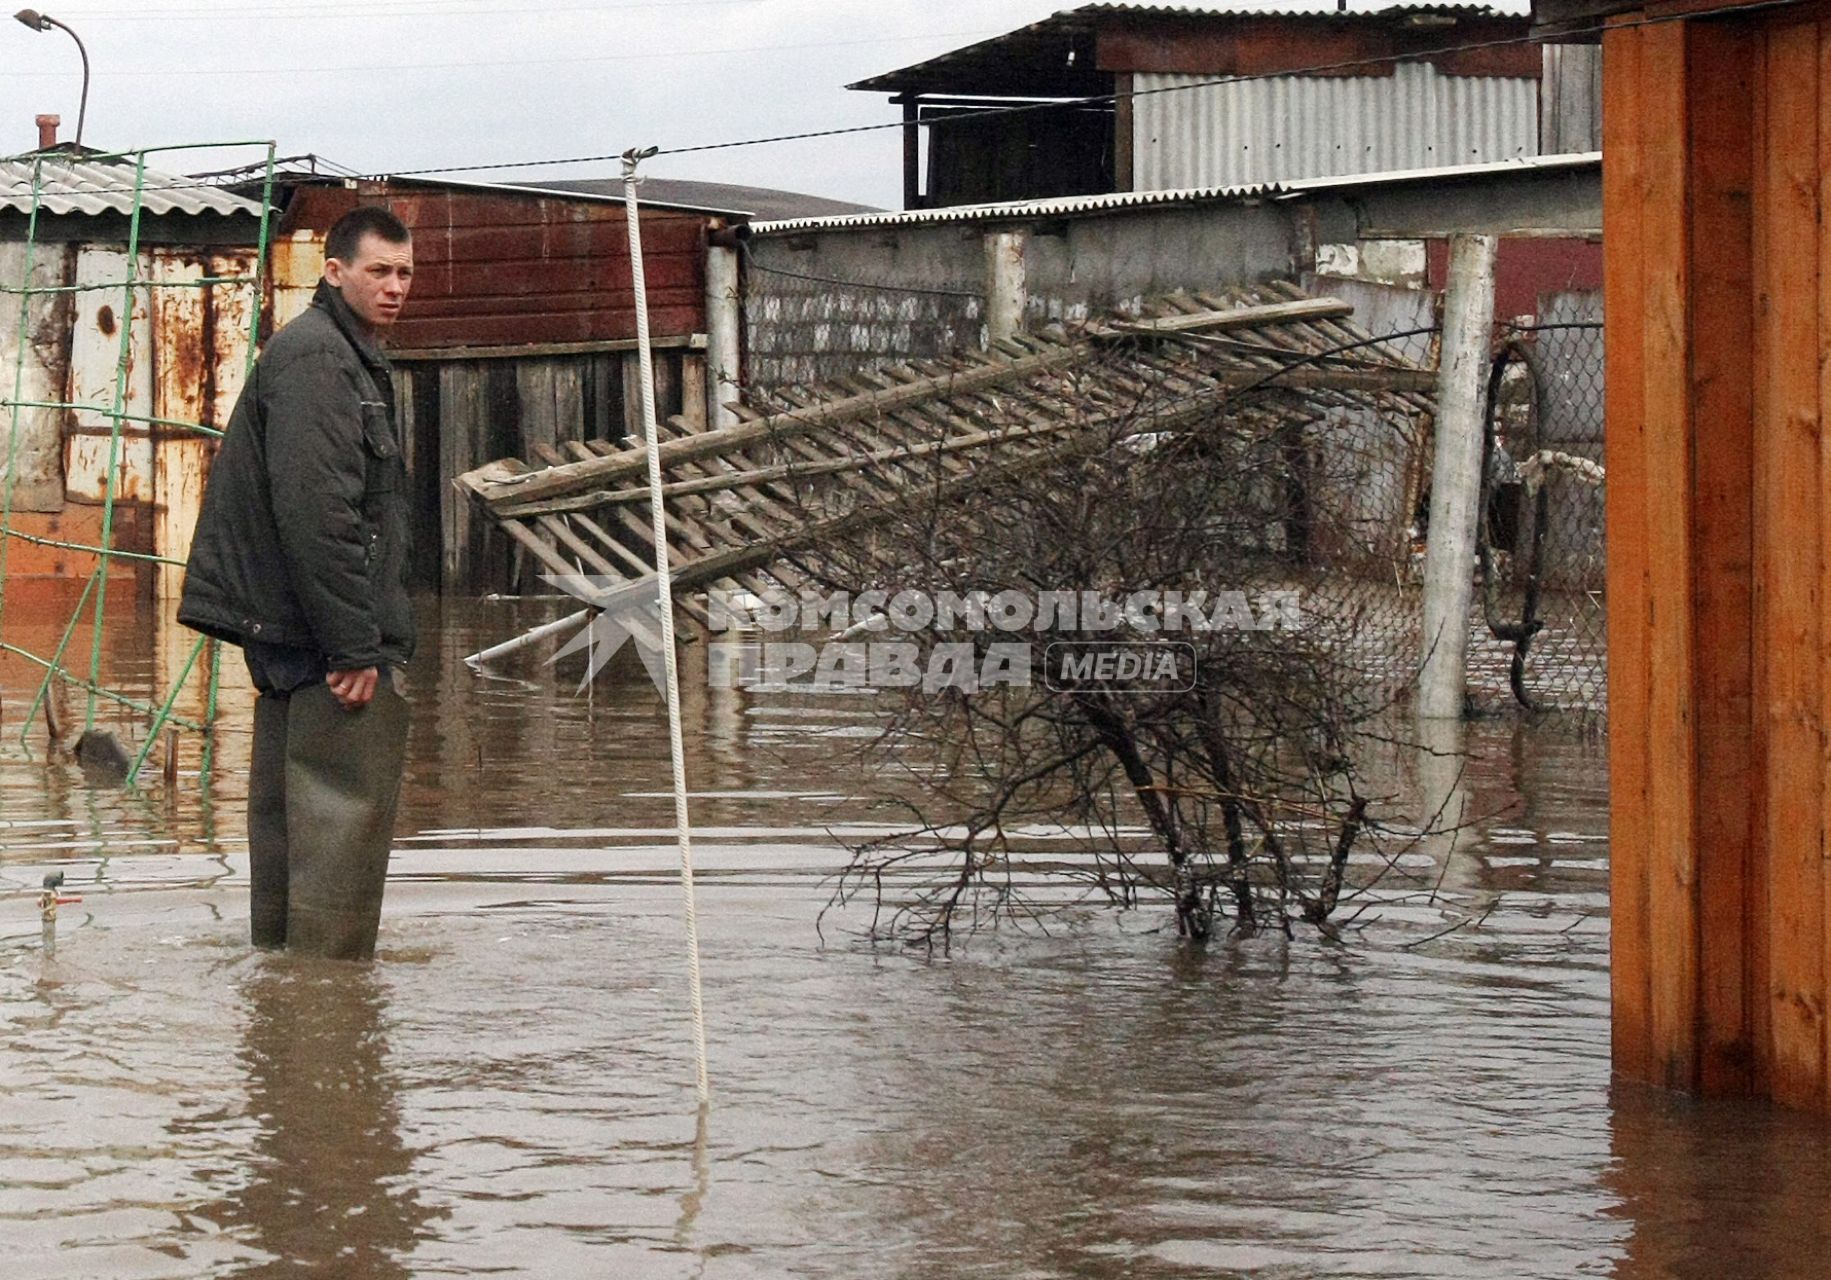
x=345, y=235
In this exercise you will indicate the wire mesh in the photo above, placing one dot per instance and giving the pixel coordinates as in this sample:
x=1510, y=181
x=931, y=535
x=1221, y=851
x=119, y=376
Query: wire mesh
x=1544, y=602
x=1539, y=626
x=51, y=409
x=1353, y=508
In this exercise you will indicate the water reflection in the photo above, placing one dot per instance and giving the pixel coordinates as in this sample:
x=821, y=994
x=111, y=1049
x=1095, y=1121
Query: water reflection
x=1718, y=1189
x=329, y=1184
x=509, y=1090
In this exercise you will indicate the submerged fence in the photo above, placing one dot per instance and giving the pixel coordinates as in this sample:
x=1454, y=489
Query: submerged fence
x=1357, y=477
x=131, y=334
x=1318, y=435
x=1538, y=626
x=1355, y=512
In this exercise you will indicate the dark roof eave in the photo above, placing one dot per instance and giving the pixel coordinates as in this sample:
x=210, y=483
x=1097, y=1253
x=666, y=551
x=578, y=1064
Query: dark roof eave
x=997, y=67
x=1008, y=65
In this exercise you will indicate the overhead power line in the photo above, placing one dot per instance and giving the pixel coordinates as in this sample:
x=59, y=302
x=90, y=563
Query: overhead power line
x=1563, y=36
x=1097, y=99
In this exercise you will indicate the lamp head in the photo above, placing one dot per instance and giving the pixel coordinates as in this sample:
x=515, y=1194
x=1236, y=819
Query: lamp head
x=34, y=19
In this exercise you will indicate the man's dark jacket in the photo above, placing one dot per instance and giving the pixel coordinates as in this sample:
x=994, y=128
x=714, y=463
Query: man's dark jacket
x=303, y=538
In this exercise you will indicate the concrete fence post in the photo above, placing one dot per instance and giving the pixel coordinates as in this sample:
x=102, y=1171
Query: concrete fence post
x=1449, y=556
x=1006, y=289
x=722, y=330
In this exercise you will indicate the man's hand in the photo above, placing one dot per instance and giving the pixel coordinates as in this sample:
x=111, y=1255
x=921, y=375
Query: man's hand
x=353, y=688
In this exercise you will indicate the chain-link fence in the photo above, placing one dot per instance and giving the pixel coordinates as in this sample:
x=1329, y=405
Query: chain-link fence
x=1327, y=490
x=1543, y=627
x=1538, y=630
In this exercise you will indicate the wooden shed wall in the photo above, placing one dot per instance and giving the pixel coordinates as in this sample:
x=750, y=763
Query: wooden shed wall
x=1719, y=323
x=514, y=270
x=458, y=414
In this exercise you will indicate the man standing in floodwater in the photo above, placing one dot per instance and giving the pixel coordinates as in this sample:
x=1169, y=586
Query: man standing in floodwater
x=300, y=557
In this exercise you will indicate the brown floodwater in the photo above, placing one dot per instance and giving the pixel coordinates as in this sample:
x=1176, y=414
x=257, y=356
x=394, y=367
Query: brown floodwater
x=508, y=1090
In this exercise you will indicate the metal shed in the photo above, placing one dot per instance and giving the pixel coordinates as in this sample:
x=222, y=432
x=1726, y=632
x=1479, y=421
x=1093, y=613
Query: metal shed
x=1215, y=97
x=61, y=345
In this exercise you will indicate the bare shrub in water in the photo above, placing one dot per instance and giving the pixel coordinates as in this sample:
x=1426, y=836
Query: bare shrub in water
x=1230, y=790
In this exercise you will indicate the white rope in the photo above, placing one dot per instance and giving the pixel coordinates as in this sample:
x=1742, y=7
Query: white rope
x=664, y=576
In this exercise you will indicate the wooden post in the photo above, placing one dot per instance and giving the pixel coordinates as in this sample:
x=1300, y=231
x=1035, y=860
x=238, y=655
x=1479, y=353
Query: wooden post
x=723, y=354
x=1006, y=291
x=1719, y=549
x=1449, y=557
x=912, y=150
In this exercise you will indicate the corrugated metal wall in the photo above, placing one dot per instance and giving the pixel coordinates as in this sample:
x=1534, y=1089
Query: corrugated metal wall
x=517, y=269
x=1283, y=127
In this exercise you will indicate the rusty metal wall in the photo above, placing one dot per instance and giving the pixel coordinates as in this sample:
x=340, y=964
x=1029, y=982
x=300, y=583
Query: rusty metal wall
x=199, y=348
x=42, y=375
x=95, y=357
x=187, y=349
x=1289, y=127
x=186, y=352
x=295, y=265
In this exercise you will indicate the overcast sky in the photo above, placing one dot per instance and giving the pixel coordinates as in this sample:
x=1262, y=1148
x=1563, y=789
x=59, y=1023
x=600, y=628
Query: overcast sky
x=385, y=85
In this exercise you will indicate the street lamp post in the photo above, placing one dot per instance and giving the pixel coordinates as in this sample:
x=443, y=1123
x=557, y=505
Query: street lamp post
x=44, y=22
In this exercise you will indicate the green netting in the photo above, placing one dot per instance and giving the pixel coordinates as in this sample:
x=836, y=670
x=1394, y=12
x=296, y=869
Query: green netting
x=84, y=671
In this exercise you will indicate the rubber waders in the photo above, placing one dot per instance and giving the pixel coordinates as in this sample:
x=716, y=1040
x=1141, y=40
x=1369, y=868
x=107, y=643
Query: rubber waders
x=267, y=823
x=343, y=777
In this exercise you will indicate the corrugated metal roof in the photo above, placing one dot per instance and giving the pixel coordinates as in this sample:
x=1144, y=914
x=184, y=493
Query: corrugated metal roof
x=1065, y=206
x=758, y=203
x=91, y=187
x=523, y=189
x=654, y=192
x=1082, y=206
x=1053, y=58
